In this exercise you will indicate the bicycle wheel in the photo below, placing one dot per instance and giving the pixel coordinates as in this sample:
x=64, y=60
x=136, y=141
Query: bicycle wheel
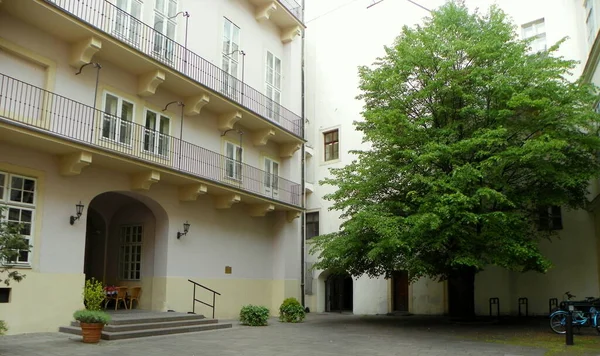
x=558, y=323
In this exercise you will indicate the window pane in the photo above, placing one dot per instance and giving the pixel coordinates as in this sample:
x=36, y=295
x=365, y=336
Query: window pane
x=111, y=104
x=164, y=125
x=160, y=5
x=127, y=111
x=172, y=8
x=150, y=120
x=16, y=195
x=16, y=183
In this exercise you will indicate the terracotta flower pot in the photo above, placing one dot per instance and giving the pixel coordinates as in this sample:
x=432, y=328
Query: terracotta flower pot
x=91, y=332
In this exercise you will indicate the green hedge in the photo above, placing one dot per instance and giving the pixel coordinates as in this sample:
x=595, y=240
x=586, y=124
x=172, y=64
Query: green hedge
x=254, y=315
x=291, y=311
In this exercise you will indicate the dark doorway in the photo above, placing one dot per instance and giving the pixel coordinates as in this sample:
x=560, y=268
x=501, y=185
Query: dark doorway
x=400, y=291
x=95, y=244
x=339, y=293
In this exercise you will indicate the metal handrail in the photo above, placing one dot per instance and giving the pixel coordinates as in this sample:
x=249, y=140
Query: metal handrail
x=215, y=293
x=127, y=29
x=26, y=104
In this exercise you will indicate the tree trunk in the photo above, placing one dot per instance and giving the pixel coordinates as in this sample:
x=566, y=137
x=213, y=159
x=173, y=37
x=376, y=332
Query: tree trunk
x=461, y=293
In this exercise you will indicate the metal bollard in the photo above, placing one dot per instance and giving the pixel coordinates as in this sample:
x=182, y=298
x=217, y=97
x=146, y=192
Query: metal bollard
x=525, y=302
x=569, y=333
x=496, y=302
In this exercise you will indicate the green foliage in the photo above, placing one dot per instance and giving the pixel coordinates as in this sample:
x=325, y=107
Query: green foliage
x=291, y=311
x=467, y=134
x=254, y=315
x=11, y=244
x=92, y=316
x=93, y=294
x=3, y=327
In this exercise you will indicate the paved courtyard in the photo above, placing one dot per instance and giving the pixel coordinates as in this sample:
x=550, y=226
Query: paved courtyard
x=320, y=335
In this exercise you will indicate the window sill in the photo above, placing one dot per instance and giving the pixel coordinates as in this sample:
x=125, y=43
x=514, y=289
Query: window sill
x=332, y=161
x=19, y=266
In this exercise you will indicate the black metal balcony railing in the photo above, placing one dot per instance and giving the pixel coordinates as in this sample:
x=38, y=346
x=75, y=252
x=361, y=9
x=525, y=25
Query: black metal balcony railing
x=25, y=104
x=294, y=8
x=119, y=24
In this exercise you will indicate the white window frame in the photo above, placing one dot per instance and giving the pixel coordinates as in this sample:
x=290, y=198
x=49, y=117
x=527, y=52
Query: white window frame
x=128, y=266
x=155, y=135
x=118, y=121
x=125, y=27
x=272, y=86
x=235, y=161
x=590, y=21
x=165, y=24
x=271, y=179
x=6, y=202
x=230, y=56
x=539, y=34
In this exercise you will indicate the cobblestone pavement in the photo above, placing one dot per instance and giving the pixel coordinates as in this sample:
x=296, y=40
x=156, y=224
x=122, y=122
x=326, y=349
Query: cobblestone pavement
x=320, y=335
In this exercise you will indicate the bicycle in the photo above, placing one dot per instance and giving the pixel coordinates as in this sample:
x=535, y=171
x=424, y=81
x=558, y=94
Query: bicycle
x=586, y=314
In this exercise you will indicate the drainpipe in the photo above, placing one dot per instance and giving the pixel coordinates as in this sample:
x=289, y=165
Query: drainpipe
x=303, y=173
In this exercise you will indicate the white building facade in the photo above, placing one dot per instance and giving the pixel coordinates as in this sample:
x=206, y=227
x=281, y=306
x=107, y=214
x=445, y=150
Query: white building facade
x=343, y=35
x=175, y=126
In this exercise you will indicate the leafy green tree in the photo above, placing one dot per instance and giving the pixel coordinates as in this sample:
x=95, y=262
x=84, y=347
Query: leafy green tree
x=469, y=134
x=12, y=243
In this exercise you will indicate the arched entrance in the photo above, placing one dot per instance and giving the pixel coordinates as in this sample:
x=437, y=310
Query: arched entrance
x=124, y=230
x=339, y=293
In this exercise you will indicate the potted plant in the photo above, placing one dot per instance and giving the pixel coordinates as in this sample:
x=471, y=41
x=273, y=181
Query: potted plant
x=92, y=319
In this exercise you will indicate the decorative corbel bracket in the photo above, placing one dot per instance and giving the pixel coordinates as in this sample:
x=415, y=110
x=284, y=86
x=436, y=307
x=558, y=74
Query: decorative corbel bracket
x=226, y=121
x=83, y=51
x=264, y=12
x=261, y=137
x=194, y=104
x=72, y=164
x=144, y=180
x=289, y=34
x=292, y=215
x=226, y=201
x=258, y=210
x=191, y=192
x=147, y=83
x=287, y=150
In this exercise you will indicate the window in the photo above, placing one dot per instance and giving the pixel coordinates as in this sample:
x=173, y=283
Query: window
x=164, y=24
x=231, y=56
x=156, y=131
x=332, y=145
x=128, y=20
x=273, y=86
x=233, y=164
x=130, y=254
x=116, y=125
x=536, y=30
x=18, y=196
x=312, y=225
x=590, y=21
x=550, y=218
x=271, y=177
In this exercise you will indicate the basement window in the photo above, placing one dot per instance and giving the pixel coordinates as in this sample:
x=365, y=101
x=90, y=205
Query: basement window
x=4, y=295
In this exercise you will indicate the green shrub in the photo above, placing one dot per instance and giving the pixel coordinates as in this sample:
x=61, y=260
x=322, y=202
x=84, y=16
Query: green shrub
x=3, y=327
x=91, y=316
x=93, y=294
x=254, y=315
x=291, y=311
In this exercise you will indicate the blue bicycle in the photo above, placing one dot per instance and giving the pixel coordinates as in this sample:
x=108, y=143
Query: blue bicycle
x=586, y=313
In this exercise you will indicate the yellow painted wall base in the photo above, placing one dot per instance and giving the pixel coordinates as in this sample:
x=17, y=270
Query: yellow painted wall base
x=42, y=302
x=235, y=293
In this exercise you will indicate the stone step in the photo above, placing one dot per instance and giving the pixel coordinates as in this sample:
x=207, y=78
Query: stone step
x=152, y=318
x=120, y=335
x=154, y=325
